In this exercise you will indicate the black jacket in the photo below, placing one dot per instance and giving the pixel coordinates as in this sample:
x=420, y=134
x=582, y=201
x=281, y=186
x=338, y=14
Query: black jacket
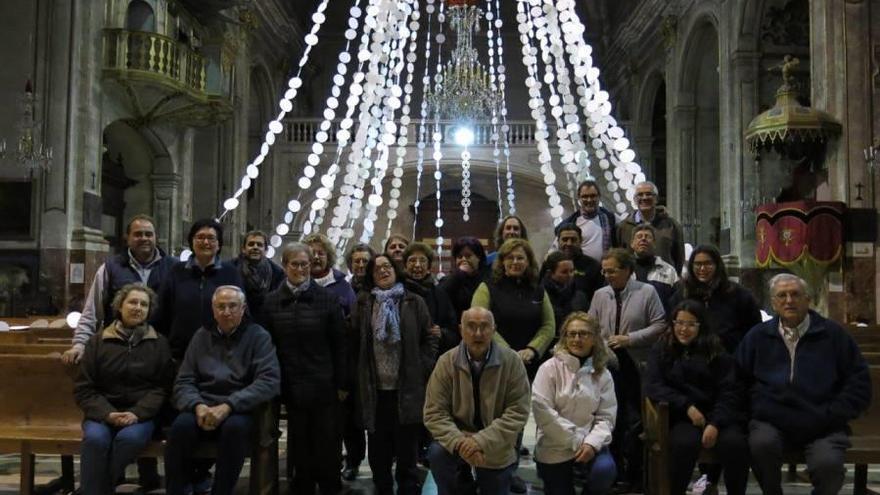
x=565, y=300
x=119, y=375
x=692, y=380
x=732, y=312
x=310, y=334
x=460, y=288
x=185, y=300
x=417, y=357
x=441, y=310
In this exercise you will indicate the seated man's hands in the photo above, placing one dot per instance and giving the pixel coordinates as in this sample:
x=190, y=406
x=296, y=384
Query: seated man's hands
x=470, y=451
x=209, y=418
x=121, y=419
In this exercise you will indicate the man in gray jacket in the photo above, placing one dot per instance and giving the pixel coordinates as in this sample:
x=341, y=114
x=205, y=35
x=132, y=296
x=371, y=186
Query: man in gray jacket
x=477, y=371
x=229, y=369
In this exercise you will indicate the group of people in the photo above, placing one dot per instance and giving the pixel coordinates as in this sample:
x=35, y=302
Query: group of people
x=446, y=372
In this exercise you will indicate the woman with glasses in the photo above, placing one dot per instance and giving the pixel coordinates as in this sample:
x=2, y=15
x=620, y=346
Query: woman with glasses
x=395, y=352
x=690, y=370
x=185, y=297
x=574, y=405
x=125, y=376
x=631, y=317
x=731, y=309
x=417, y=262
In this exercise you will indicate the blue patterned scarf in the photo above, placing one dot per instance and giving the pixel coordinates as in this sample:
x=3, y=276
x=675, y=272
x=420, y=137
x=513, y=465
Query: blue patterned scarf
x=388, y=316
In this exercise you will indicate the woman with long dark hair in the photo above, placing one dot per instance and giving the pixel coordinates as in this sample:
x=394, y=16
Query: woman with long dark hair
x=732, y=309
x=690, y=370
x=468, y=271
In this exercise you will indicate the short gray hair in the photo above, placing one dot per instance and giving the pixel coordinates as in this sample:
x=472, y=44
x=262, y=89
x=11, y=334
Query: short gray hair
x=649, y=183
x=292, y=248
x=478, y=309
x=234, y=288
x=787, y=277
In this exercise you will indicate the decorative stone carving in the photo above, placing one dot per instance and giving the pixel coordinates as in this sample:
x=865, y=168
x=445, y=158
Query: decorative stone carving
x=669, y=31
x=788, y=25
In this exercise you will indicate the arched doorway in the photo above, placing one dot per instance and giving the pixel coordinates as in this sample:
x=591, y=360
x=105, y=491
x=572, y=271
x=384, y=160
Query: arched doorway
x=140, y=17
x=126, y=182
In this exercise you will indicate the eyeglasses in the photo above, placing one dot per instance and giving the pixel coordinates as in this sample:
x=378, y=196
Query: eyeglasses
x=227, y=306
x=703, y=264
x=206, y=238
x=686, y=323
x=417, y=260
x=299, y=265
x=515, y=259
x=579, y=335
x=387, y=267
x=782, y=296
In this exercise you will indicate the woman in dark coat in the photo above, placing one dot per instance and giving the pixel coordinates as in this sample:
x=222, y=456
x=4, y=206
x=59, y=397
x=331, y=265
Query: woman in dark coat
x=690, y=370
x=395, y=353
x=468, y=272
x=417, y=262
x=125, y=376
x=732, y=309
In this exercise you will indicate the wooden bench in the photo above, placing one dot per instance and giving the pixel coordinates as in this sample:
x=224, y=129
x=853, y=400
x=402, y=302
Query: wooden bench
x=36, y=335
x=865, y=440
x=38, y=415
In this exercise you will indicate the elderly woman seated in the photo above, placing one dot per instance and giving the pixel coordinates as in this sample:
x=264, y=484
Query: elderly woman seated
x=125, y=373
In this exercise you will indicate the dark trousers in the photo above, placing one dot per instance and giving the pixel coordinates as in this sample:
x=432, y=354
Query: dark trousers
x=393, y=441
x=731, y=447
x=824, y=458
x=353, y=436
x=233, y=439
x=446, y=469
x=626, y=446
x=559, y=478
x=313, y=445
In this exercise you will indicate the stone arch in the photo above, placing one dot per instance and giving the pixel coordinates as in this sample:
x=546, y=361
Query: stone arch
x=139, y=16
x=645, y=133
x=698, y=108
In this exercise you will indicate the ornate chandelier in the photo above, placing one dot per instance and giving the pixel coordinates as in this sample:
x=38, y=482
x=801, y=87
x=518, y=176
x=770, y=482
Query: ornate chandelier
x=31, y=154
x=463, y=91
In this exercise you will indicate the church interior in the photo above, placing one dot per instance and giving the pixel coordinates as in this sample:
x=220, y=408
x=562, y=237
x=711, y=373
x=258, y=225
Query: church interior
x=757, y=120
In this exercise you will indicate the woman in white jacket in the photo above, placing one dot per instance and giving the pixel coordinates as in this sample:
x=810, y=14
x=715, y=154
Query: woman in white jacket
x=574, y=405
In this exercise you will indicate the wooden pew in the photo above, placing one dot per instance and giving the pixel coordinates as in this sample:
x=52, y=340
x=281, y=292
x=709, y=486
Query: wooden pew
x=38, y=349
x=38, y=415
x=865, y=440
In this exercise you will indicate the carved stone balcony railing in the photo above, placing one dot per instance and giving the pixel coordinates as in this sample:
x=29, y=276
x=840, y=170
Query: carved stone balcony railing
x=520, y=134
x=164, y=79
x=155, y=58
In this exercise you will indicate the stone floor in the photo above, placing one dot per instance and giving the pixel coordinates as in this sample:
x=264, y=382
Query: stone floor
x=49, y=467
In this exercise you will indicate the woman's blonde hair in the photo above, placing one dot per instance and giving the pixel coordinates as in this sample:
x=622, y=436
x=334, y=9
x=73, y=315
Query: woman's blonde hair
x=531, y=273
x=600, y=350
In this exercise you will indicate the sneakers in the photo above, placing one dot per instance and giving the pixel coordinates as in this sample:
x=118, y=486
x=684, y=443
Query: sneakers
x=517, y=485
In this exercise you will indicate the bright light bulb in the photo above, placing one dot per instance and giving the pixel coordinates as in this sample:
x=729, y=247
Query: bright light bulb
x=464, y=136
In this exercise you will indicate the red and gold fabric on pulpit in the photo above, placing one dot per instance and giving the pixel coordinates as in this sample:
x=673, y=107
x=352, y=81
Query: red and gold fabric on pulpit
x=799, y=233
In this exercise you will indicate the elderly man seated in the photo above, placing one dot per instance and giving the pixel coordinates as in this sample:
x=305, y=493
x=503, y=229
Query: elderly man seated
x=477, y=371
x=806, y=378
x=229, y=369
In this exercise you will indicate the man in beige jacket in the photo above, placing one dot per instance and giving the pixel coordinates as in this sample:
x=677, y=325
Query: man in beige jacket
x=483, y=438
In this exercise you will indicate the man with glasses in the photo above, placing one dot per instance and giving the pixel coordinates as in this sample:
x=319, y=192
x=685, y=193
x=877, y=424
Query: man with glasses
x=669, y=238
x=805, y=379
x=230, y=369
x=468, y=438
x=308, y=327
x=596, y=223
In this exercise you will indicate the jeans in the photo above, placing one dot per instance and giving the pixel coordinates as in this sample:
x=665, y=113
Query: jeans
x=233, y=439
x=559, y=478
x=106, y=450
x=445, y=469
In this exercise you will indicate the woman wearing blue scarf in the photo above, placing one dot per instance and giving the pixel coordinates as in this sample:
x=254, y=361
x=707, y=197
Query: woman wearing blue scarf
x=395, y=353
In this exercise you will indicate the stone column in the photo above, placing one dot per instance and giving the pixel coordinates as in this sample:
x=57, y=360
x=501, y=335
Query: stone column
x=840, y=41
x=739, y=163
x=166, y=188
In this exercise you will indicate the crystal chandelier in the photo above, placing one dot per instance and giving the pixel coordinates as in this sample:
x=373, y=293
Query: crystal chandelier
x=463, y=91
x=32, y=155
